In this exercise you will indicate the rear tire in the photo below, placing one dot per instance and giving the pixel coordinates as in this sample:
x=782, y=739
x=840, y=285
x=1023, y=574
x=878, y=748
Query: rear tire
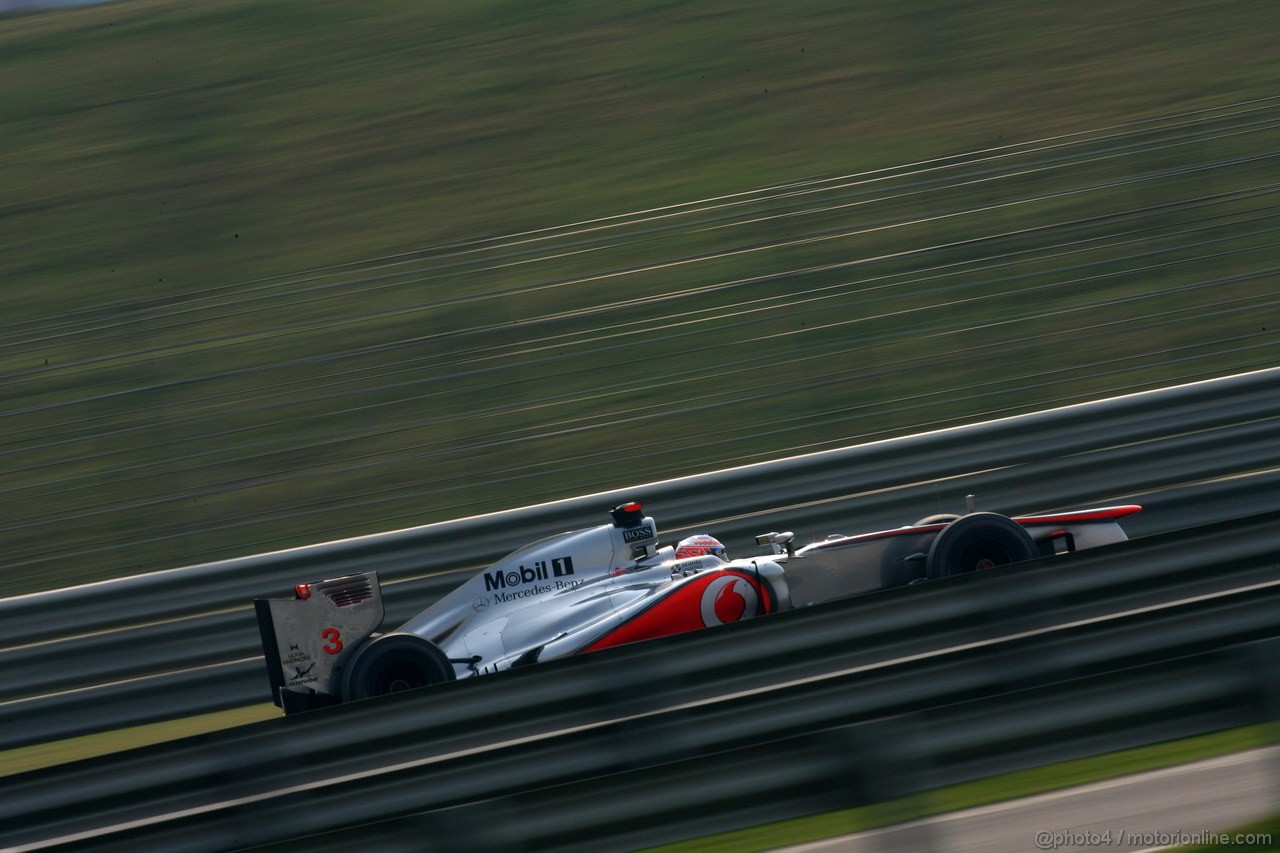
x=982, y=540
x=394, y=663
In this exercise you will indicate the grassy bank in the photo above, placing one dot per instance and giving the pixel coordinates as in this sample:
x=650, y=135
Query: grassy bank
x=214, y=144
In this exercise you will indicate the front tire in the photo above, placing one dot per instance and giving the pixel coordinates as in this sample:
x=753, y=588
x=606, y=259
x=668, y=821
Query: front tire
x=394, y=663
x=981, y=540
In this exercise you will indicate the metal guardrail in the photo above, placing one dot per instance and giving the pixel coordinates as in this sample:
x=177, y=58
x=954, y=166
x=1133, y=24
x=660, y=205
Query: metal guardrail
x=1133, y=574
x=147, y=627
x=156, y=693
x=150, y=699
x=990, y=635
x=862, y=764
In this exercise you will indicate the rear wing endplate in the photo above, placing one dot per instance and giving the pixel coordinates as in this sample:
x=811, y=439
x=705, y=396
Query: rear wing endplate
x=307, y=640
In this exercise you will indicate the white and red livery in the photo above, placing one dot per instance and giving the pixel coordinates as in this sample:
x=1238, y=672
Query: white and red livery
x=603, y=586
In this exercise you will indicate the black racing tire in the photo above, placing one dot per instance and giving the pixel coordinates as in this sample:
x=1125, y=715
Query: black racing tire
x=394, y=663
x=981, y=540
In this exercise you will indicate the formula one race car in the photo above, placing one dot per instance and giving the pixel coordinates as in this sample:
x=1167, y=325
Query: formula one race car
x=604, y=586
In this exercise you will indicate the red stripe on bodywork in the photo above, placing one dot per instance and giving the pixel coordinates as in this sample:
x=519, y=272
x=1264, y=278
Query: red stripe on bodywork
x=1109, y=513
x=679, y=611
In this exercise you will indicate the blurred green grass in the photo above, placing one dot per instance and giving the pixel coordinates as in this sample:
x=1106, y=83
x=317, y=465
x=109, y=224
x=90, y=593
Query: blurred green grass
x=157, y=157
x=27, y=758
x=320, y=132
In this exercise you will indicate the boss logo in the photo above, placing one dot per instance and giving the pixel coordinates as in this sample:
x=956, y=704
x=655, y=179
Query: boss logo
x=637, y=534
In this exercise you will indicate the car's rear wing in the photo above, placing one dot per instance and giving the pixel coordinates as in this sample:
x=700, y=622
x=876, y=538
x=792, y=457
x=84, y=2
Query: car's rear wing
x=309, y=639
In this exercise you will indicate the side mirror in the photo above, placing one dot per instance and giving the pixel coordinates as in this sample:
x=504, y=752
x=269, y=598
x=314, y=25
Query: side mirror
x=780, y=543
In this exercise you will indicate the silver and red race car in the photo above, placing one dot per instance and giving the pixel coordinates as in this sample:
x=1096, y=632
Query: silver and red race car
x=590, y=589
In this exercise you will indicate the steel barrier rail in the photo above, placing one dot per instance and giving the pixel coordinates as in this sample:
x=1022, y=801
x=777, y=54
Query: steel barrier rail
x=126, y=670
x=1102, y=580
x=1208, y=502
x=152, y=699
x=108, y=657
x=1132, y=574
x=295, y=808
x=863, y=764
x=1122, y=709
x=829, y=474
x=82, y=661
x=85, y=661
x=267, y=757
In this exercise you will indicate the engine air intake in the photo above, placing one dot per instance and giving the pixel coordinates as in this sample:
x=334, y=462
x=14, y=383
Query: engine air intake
x=627, y=514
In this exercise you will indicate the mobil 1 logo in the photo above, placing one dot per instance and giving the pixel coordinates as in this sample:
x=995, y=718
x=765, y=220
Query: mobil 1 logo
x=541, y=570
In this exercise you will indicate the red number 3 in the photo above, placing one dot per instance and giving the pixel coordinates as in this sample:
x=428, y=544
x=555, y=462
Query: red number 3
x=335, y=641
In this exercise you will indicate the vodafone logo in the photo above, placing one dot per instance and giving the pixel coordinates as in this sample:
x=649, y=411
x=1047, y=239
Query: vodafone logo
x=728, y=599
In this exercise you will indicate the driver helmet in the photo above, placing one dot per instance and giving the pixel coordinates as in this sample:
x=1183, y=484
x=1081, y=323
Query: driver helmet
x=700, y=545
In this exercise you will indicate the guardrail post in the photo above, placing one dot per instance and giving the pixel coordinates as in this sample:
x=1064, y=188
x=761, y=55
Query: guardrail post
x=1261, y=662
x=1261, y=666
x=885, y=773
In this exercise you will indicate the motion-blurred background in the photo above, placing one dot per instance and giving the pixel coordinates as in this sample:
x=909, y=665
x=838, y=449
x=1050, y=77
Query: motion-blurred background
x=281, y=272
